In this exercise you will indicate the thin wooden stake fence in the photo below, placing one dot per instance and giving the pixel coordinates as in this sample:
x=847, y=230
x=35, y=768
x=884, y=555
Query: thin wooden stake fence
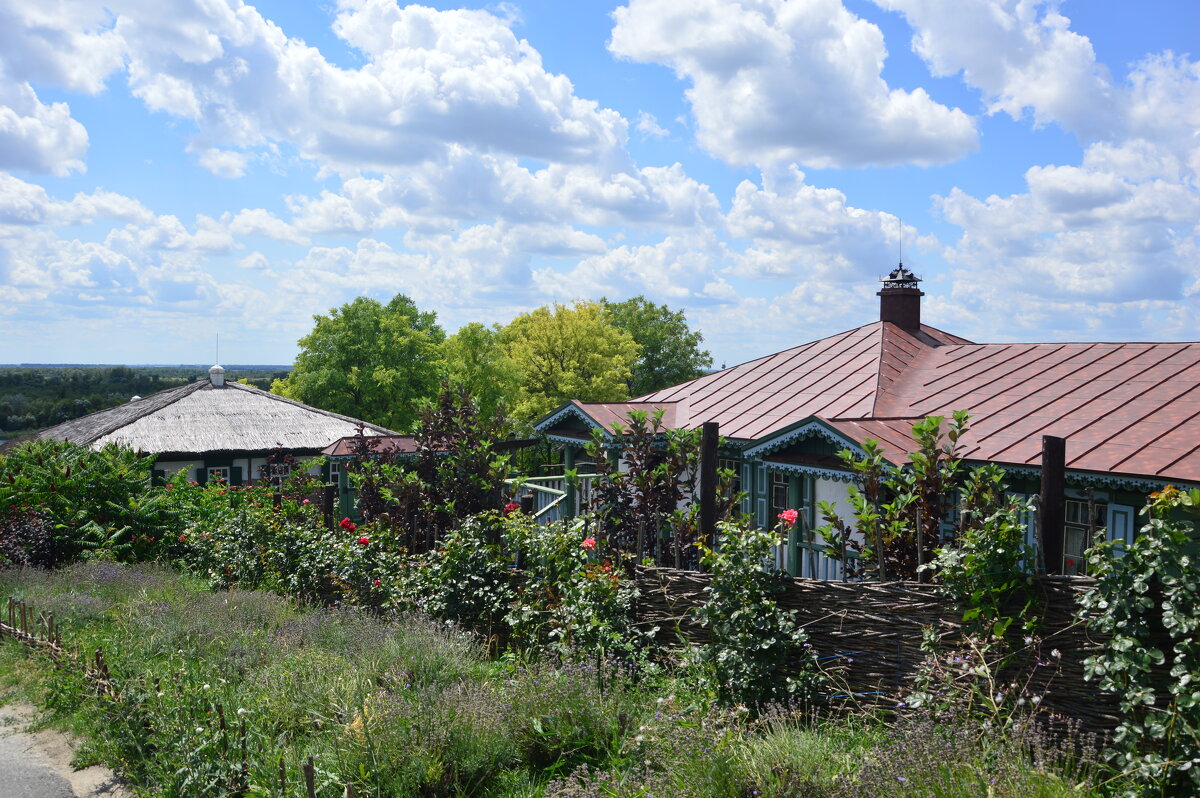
x=41, y=631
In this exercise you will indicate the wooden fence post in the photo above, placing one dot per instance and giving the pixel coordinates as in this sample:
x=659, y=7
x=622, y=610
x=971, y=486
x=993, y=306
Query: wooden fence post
x=328, y=494
x=308, y=778
x=709, y=438
x=1052, y=504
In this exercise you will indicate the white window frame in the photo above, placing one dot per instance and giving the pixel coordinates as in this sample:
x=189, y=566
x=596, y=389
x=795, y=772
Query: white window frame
x=277, y=473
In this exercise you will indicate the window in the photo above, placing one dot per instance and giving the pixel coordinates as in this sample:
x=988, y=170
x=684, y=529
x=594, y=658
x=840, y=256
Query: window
x=726, y=463
x=278, y=473
x=780, y=484
x=335, y=473
x=220, y=474
x=1077, y=533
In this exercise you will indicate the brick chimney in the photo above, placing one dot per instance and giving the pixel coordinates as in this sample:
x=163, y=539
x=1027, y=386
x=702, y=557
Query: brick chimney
x=900, y=299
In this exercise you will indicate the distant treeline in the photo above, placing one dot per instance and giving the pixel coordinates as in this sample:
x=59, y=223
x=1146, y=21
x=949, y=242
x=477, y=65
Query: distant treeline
x=33, y=397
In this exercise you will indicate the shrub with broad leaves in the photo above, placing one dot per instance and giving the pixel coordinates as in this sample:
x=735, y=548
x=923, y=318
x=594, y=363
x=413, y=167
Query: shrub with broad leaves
x=1148, y=599
x=757, y=653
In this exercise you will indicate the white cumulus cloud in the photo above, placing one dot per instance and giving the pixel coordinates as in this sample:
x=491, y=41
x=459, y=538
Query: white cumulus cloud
x=1019, y=53
x=36, y=137
x=790, y=80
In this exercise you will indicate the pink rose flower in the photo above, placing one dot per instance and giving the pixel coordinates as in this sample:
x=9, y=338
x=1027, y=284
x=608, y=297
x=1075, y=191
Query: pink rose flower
x=589, y=543
x=789, y=517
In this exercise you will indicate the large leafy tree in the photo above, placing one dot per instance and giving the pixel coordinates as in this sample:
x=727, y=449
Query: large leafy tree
x=369, y=360
x=671, y=352
x=566, y=353
x=475, y=361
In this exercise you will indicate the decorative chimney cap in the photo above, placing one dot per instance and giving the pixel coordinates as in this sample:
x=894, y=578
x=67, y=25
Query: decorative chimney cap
x=900, y=277
x=216, y=375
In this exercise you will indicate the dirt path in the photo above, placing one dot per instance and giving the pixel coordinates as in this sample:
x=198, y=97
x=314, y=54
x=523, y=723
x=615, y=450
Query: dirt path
x=38, y=764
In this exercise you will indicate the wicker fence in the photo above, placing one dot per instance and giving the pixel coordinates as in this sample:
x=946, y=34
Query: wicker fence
x=873, y=632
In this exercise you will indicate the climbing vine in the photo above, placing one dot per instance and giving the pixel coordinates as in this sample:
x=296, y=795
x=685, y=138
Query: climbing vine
x=1148, y=599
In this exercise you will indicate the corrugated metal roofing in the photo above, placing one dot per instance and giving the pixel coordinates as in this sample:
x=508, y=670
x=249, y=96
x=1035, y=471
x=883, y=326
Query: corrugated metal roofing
x=1129, y=408
x=1126, y=408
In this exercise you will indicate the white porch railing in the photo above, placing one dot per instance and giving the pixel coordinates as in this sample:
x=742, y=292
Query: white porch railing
x=550, y=496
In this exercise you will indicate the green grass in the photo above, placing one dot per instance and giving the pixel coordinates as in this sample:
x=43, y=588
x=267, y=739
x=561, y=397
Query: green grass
x=411, y=707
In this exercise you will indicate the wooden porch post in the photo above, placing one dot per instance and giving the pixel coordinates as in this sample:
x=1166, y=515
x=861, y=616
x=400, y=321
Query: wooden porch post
x=568, y=464
x=796, y=501
x=1053, y=501
x=709, y=437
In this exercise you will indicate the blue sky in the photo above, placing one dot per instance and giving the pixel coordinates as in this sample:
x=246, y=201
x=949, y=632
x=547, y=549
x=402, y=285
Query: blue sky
x=174, y=171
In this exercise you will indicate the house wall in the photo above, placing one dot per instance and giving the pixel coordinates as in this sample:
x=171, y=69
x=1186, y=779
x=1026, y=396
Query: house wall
x=838, y=494
x=169, y=467
x=251, y=467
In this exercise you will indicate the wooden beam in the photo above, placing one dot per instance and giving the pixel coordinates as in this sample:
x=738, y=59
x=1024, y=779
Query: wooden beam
x=1053, y=502
x=709, y=436
x=570, y=510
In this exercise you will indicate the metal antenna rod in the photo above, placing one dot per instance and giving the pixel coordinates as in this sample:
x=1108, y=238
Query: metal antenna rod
x=900, y=225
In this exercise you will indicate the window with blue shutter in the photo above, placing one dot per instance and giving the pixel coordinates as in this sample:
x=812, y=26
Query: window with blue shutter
x=1121, y=523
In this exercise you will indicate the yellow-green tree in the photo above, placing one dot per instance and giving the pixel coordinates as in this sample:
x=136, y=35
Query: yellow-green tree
x=369, y=360
x=566, y=353
x=671, y=352
x=475, y=360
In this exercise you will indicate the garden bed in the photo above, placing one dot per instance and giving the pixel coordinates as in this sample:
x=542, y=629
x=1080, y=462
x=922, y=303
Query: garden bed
x=231, y=692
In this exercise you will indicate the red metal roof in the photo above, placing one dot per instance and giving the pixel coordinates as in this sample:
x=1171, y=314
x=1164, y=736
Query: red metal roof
x=379, y=444
x=1126, y=408
x=1131, y=408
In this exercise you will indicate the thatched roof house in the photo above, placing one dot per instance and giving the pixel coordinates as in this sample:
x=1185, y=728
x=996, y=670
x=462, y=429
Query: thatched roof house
x=216, y=429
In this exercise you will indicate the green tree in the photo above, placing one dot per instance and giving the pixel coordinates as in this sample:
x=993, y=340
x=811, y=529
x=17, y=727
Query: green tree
x=568, y=353
x=368, y=360
x=671, y=352
x=475, y=361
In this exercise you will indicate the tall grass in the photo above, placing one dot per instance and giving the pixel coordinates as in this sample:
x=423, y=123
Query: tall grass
x=404, y=706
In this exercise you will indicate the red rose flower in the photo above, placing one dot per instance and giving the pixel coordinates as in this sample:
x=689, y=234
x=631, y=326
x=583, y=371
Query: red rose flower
x=363, y=541
x=375, y=583
x=347, y=524
x=511, y=507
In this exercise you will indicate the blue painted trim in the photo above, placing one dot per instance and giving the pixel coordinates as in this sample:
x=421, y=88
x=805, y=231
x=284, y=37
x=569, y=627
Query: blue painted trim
x=805, y=429
x=812, y=471
x=569, y=410
x=579, y=442
x=1095, y=480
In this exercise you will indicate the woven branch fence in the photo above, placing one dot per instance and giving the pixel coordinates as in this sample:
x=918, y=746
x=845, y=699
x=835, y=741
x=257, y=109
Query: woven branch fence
x=874, y=631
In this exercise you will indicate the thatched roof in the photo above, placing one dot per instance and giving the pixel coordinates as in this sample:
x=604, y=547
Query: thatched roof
x=201, y=417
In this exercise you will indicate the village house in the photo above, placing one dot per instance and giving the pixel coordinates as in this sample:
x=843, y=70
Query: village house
x=1129, y=412
x=214, y=429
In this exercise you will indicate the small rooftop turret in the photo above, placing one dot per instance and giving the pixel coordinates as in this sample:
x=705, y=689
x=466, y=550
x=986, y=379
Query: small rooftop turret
x=900, y=299
x=216, y=375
